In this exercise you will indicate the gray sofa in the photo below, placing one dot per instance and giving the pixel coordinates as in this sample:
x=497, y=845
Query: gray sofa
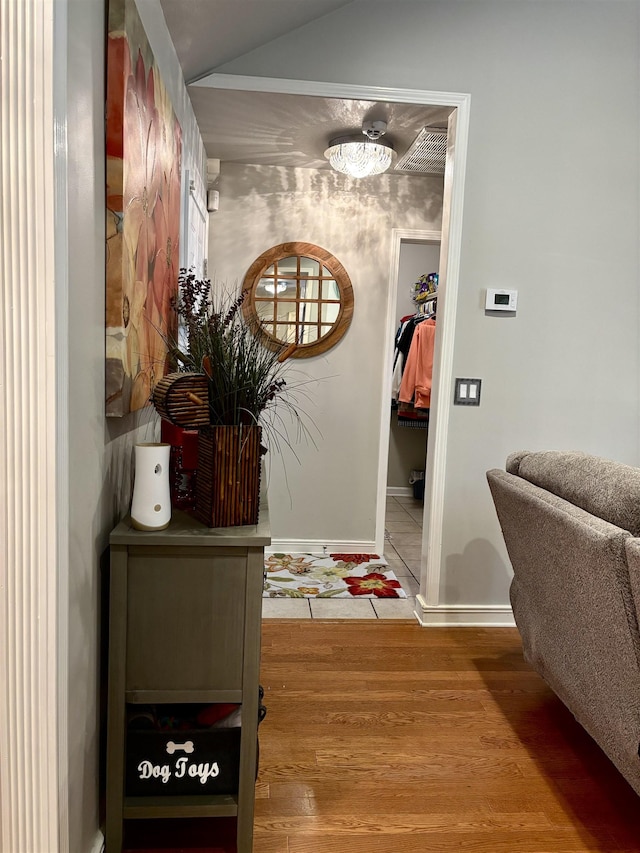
x=571, y=524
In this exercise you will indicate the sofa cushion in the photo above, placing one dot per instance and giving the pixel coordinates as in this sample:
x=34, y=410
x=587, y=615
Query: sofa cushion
x=606, y=489
x=514, y=459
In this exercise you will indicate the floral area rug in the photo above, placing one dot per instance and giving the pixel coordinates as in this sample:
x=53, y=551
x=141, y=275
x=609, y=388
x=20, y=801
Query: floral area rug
x=332, y=576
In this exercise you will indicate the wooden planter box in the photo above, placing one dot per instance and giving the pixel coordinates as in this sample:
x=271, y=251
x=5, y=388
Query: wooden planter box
x=228, y=478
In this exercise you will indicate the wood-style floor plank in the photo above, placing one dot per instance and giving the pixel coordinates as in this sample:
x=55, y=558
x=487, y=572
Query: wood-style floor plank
x=391, y=738
x=557, y=841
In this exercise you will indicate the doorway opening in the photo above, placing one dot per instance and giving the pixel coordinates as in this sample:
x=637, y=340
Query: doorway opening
x=414, y=254
x=457, y=109
x=417, y=255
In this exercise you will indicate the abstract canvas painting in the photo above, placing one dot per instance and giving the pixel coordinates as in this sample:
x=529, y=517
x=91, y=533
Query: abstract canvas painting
x=143, y=149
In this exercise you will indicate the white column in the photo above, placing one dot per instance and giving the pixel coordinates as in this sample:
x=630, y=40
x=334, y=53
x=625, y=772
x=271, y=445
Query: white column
x=32, y=786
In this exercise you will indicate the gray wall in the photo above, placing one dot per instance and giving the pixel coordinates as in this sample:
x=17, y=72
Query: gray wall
x=330, y=493
x=551, y=208
x=100, y=451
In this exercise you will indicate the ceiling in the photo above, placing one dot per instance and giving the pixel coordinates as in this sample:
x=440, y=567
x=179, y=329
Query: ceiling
x=209, y=33
x=264, y=128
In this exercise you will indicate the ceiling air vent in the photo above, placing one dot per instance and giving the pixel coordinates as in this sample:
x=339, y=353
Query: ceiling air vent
x=427, y=154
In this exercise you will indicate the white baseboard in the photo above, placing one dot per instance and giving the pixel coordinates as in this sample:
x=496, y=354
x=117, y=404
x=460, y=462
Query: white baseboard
x=399, y=491
x=320, y=546
x=98, y=843
x=464, y=615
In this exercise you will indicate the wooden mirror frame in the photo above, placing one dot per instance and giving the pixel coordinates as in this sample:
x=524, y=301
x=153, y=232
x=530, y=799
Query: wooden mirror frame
x=267, y=259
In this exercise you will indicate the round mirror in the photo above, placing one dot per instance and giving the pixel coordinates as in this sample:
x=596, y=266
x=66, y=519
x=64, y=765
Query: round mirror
x=299, y=293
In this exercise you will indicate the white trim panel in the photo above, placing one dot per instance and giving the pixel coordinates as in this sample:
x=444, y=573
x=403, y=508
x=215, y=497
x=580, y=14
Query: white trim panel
x=320, y=547
x=441, y=397
x=399, y=492
x=60, y=288
x=280, y=85
x=464, y=615
x=32, y=805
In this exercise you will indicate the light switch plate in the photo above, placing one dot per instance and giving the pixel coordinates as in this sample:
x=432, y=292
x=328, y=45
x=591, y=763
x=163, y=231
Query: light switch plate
x=467, y=392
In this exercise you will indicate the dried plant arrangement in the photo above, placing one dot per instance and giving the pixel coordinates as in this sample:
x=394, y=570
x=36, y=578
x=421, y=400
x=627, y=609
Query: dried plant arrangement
x=245, y=378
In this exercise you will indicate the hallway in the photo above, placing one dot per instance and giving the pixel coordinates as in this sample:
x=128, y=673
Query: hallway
x=403, y=537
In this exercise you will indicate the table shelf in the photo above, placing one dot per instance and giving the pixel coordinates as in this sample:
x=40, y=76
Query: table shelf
x=185, y=608
x=221, y=805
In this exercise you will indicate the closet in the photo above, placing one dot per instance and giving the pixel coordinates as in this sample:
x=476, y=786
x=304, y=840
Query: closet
x=407, y=438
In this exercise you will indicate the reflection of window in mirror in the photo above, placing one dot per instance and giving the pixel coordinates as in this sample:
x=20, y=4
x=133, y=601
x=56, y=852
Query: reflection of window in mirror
x=299, y=293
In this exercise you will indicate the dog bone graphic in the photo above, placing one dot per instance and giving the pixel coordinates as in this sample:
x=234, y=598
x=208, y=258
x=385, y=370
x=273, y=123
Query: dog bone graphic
x=187, y=746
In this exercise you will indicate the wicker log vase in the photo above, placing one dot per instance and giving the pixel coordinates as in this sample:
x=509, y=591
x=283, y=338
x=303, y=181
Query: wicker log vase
x=182, y=399
x=228, y=478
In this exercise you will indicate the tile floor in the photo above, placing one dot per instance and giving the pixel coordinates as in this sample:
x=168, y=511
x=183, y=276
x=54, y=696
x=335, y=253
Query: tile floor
x=402, y=547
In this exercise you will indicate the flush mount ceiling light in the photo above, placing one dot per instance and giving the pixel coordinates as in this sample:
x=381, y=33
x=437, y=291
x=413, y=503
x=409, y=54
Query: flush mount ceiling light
x=270, y=287
x=361, y=156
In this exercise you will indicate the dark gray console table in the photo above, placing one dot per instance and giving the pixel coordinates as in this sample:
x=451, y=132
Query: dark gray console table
x=185, y=606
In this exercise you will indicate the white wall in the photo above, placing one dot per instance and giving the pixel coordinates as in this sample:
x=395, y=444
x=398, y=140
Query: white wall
x=330, y=495
x=551, y=208
x=99, y=450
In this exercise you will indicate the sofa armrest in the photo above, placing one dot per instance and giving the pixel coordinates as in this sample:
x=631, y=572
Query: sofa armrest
x=573, y=605
x=607, y=489
x=632, y=550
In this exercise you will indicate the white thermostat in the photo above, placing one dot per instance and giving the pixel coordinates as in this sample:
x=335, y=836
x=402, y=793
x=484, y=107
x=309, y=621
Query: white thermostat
x=501, y=300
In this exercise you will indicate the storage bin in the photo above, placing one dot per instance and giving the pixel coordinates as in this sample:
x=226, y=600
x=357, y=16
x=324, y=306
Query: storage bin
x=416, y=479
x=199, y=753
x=192, y=761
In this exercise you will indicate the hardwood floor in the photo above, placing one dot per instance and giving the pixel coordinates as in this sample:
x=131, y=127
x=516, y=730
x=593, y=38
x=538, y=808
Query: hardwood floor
x=384, y=737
